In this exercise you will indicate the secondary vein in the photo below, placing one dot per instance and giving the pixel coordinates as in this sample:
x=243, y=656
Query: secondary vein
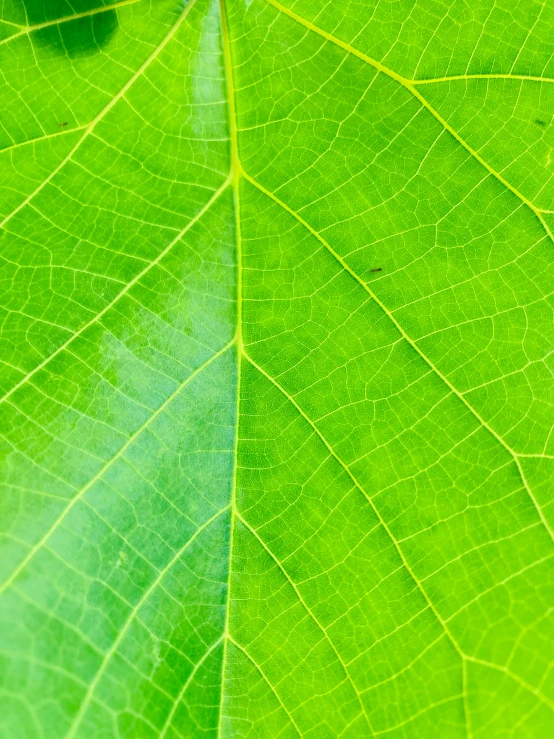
x=303, y=602
x=410, y=85
x=410, y=341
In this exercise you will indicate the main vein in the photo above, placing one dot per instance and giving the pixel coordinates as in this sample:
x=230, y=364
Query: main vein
x=234, y=175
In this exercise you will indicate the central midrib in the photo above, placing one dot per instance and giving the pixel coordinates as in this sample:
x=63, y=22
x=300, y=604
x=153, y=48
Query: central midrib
x=235, y=184
x=236, y=175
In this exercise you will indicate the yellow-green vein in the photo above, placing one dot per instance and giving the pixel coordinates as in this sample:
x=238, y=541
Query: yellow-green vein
x=301, y=599
x=409, y=85
x=234, y=175
x=266, y=679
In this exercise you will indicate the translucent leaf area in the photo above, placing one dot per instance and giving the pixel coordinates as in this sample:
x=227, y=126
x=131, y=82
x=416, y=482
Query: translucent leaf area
x=277, y=354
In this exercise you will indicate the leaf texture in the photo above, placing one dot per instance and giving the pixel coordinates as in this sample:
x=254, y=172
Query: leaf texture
x=277, y=342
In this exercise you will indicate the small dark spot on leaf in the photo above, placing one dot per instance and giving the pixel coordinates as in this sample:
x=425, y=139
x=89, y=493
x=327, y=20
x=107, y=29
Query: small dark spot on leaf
x=62, y=125
x=376, y=269
x=540, y=122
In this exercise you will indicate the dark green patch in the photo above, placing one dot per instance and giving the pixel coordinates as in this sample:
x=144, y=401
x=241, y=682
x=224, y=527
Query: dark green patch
x=77, y=37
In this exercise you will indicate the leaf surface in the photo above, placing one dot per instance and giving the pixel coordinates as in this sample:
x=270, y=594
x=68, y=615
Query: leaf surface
x=276, y=339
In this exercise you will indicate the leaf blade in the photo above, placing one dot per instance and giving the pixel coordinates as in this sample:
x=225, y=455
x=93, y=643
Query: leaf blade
x=285, y=471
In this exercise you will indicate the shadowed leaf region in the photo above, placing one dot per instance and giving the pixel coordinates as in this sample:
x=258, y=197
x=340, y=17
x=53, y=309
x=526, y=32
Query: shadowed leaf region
x=80, y=27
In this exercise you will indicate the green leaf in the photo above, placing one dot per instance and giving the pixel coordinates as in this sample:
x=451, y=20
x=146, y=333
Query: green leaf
x=277, y=346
